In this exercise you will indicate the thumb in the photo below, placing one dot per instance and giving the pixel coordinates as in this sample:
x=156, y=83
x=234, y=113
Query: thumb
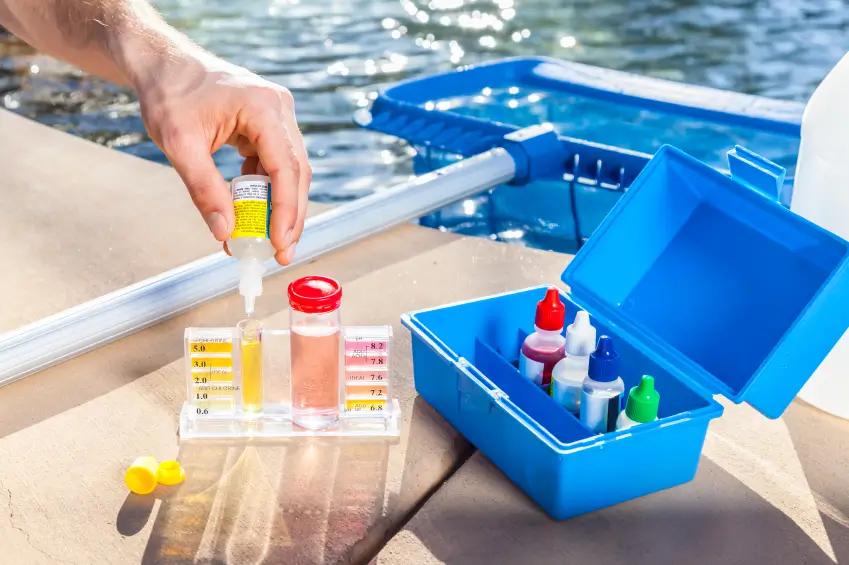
x=208, y=189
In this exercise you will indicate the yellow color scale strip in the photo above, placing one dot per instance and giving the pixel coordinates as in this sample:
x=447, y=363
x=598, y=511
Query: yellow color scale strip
x=212, y=376
x=212, y=407
x=365, y=405
x=211, y=363
x=211, y=346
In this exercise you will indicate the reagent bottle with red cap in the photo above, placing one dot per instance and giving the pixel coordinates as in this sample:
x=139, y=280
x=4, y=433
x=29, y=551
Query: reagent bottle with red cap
x=546, y=346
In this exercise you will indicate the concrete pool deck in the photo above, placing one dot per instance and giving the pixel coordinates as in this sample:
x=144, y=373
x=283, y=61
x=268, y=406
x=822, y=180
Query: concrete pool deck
x=767, y=492
x=88, y=220
x=92, y=220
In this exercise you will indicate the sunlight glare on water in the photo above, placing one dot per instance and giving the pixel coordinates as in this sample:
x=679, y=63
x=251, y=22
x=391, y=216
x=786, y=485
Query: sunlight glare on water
x=334, y=55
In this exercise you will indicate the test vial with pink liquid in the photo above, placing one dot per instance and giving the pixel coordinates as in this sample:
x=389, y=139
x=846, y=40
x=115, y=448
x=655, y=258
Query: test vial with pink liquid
x=315, y=325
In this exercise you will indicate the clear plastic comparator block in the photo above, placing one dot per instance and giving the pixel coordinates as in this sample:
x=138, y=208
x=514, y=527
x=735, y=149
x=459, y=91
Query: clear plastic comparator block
x=239, y=384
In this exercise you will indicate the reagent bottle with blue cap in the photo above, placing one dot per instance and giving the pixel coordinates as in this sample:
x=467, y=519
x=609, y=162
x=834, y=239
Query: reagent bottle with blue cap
x=601, y=393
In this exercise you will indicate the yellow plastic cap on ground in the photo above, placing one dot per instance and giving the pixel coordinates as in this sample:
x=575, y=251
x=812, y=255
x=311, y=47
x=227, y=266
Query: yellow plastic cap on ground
x=141, y=476
x=170, y=473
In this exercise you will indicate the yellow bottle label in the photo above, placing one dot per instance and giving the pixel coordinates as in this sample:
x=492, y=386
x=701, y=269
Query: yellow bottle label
x=252, y=205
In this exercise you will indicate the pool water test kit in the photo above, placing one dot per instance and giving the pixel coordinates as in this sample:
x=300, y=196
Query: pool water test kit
x=315, y=378
x=217, y=377
x=748, y=312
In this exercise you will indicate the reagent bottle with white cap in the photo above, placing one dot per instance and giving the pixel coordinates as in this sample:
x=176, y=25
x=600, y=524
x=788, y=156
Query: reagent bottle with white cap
x=249, y=243
x=569, y=373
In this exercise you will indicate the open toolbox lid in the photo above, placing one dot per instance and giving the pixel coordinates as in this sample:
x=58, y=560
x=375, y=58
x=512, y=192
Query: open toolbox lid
x=708, y=273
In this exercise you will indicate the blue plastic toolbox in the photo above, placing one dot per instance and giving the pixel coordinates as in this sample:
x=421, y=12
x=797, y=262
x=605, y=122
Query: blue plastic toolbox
x=612, y=122
x=702, y=280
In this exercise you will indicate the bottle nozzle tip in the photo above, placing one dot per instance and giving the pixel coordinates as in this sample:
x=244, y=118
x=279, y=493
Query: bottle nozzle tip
x=646, y=385
x=605, y=347
x=250, y=303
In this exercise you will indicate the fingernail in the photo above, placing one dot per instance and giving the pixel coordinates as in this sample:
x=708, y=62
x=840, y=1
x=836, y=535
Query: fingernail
x=290, y=253
x=217, y=225
x=288, y=239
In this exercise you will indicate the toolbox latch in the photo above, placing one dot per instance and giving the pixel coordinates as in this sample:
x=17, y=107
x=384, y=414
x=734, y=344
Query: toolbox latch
x=473, y=394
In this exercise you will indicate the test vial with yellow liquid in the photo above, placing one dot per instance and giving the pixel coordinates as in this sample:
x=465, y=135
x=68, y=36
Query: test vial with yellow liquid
x=249, y=334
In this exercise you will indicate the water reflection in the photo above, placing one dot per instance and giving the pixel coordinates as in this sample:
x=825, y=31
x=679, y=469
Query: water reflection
x=335, y=54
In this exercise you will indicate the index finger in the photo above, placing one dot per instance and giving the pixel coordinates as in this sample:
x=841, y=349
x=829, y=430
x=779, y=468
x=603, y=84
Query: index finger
x=277, y=156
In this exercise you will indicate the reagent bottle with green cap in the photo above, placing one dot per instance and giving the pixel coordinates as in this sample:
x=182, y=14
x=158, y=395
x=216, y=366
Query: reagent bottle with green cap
x=641, y=406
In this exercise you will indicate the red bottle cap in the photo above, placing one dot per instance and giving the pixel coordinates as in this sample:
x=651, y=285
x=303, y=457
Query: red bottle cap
x=550, y=312
x=315, y=295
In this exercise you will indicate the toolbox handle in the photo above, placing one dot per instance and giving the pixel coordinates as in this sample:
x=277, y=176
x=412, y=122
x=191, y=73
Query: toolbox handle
x=756, y=172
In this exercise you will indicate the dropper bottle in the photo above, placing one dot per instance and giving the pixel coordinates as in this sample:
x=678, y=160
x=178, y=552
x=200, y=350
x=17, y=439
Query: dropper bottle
x=601, y=393
x=641, y=406
x=546, y=346
x=249, y=243
x=569, y=373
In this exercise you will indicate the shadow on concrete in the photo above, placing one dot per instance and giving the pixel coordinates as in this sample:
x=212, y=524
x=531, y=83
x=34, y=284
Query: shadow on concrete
x=303, y=502
x=414, y=494
x=719, y=521
x=134, y=513
x=822, y=443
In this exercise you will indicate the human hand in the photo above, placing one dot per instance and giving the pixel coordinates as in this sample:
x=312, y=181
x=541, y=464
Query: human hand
x=193, y=103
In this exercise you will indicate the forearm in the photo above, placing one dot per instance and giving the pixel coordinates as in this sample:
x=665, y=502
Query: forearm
x=123, y=41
